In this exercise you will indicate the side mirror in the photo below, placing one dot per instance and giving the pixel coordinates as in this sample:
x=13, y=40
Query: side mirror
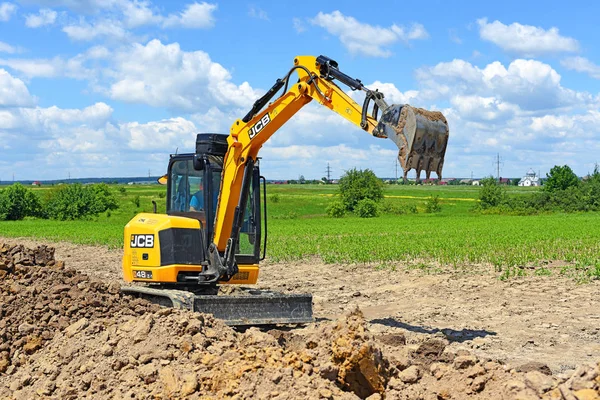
x=162, y=180
x=198, y=162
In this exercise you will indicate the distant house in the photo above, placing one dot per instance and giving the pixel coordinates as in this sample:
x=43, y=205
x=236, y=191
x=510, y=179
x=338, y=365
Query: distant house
x=475, y=183
x=466, y=181
x=530, y=179
x=36, y=183
x=505, y=181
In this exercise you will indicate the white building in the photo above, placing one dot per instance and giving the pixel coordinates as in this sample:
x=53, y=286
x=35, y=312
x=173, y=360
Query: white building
x=530, y=179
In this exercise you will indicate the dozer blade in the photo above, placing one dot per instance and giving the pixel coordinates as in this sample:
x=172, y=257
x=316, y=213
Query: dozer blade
x=255, y=307
x=421, y=136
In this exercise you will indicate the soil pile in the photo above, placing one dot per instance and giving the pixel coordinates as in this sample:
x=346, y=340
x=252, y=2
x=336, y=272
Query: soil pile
x=64, y=335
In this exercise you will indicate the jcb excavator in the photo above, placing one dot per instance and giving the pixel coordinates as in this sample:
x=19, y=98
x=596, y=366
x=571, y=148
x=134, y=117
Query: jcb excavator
x=214, y=232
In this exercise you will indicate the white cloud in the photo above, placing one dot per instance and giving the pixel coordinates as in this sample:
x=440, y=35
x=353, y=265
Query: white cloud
x=79, y=6
x=84, y=31
x=476, y=108
x=258, y=13
x=167, y=134
x=365, y=39
x=13, y=92
x=165, y=76
x=7, y=48
x=50, y=68
x=454, y=36
x=139, y=13
x=526, y=40
x=45, y=16
x=299, y=25
x=196, y=15
x=530, y=84
x=581, y=64
x=7, y=10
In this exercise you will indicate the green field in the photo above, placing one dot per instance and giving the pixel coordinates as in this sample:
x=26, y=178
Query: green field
x=299, y=228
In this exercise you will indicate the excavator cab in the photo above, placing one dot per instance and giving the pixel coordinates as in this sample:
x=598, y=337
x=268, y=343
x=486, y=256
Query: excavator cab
x=194, y=183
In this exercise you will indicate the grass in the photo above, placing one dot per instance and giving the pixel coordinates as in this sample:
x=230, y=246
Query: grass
x=456, y=236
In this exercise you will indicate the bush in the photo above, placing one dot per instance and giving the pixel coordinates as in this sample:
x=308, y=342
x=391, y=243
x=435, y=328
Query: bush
x=356, y=185
x=275, y=198
x=162, y=195
x=366, y=208
x=122, y=190
x=490, y=194
x=18, y=202
x=69, y=202
x=433, y=205
x=136, y=201
x=560, y=178
x=336, y=209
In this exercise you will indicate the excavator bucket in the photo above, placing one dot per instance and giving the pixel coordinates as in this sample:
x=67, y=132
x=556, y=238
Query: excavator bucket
x=421, y=136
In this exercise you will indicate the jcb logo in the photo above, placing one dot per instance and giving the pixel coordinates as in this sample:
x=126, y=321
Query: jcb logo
x=259, y=126
x=142, y=241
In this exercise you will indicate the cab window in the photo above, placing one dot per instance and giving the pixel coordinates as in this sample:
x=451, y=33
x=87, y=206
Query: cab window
x=187, y=189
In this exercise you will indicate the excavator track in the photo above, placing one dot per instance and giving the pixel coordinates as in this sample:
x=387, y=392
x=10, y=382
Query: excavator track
x=255, y=307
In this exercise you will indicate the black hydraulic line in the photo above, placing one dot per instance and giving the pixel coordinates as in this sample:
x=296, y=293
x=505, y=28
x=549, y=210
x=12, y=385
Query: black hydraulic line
x=238, y=218
x=329, y=70
x=265, y=217
x=260, y=103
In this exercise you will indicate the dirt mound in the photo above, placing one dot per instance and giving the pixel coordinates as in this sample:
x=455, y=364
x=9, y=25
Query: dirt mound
x=64, y=335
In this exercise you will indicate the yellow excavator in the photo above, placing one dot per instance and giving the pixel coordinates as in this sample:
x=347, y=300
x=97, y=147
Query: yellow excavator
x=215, y=229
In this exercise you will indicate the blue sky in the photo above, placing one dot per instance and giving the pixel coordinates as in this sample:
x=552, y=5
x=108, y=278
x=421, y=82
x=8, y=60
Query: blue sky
x=98, y=88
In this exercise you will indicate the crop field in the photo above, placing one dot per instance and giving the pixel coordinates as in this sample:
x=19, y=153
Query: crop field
x=299, y=228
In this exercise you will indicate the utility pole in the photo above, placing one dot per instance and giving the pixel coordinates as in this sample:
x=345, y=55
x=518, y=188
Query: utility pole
x=396, y=164
x=149, y=173
x=471, y=175
x=498, y=161
x=328, y=170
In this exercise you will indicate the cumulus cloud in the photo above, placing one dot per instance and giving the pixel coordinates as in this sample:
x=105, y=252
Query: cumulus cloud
x=582, y=64
x=530, y=84
x=526, y=40
x=365, y=39
x=45, y=16
x=165, y=76
x=13, y=92
x=160, y=135
x=7, y=10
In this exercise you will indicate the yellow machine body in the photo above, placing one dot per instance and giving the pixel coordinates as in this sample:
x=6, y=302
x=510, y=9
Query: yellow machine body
x=142, y=256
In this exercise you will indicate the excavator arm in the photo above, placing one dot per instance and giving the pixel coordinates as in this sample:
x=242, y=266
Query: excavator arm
x=316, y=77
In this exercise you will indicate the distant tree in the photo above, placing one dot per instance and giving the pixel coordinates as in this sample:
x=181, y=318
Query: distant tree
x=18, y=202
x=356, y=185
x=301, y=179
x=560, y=178
x=515, y=181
